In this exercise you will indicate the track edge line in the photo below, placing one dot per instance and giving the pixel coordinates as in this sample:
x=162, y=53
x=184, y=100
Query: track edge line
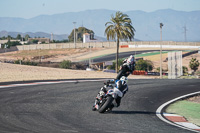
x=159, y=111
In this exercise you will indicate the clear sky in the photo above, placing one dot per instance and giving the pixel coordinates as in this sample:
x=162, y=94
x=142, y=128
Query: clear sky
x=32, y=8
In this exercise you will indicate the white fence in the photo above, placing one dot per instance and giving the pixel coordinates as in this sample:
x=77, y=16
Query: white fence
x=169, y=44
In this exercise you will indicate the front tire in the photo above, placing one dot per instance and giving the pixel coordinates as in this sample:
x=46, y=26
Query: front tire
x=107, y=104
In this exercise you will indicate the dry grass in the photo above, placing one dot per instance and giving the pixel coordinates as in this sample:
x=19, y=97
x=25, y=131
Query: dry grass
x=56, y=53
x=11, y=72
x=14, y=72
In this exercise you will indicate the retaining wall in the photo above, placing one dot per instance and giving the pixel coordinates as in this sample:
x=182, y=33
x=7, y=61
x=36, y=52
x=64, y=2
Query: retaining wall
x=103, y=44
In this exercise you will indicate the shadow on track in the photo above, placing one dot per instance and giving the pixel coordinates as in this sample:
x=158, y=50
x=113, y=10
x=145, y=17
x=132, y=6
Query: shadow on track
x=133, y=112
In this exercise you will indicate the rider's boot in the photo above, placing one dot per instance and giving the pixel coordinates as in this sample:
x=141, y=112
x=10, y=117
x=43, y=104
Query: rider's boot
x=111, y=107
x=95, y=103
x=93, y=108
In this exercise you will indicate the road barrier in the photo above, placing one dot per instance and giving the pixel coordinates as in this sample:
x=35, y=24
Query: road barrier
x=139, y=44
x=124, y=46
x=139, y=72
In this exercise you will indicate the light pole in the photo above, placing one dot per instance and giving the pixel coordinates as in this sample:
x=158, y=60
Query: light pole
x=161, y=25
x=74, y=34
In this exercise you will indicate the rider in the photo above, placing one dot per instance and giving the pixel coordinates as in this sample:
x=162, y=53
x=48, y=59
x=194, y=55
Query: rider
x=119, y=84
x=130, y=63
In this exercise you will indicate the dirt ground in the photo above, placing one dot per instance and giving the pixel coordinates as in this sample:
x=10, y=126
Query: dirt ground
x=13, y=72
x=185, y=61
x=58, y=55
x=195, y=99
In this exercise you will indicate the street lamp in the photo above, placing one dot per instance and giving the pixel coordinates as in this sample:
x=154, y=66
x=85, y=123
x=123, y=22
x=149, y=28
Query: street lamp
x=161, y=25
x=74, y=34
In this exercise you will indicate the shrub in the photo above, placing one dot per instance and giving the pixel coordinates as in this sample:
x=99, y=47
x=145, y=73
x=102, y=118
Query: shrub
x=185, y=69
x=23, y=62
x=120, y=62
x=194, y=64
x=145, y=65
x=197, y=73
x=66, y=64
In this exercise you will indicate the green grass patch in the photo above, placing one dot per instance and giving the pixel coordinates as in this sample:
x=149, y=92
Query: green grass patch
x=137, y=55
x=150, y=54
x=190, y=110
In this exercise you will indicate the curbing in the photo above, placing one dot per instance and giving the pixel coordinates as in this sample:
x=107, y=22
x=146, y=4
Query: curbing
x=177, y=120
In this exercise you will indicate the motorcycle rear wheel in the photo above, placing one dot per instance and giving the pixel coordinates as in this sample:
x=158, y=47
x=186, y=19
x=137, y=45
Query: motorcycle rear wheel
x=106, y=105
x=120, y=74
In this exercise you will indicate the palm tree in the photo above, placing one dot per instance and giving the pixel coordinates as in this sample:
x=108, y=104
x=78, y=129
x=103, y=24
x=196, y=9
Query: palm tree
x=119, y=28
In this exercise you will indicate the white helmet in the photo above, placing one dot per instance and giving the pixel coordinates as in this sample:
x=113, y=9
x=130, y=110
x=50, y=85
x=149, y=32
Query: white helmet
x=124, y=79
x=131, y=59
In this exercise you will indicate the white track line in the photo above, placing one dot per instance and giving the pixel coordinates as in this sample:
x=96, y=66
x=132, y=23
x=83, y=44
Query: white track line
x=159, y=111
x=49, y=82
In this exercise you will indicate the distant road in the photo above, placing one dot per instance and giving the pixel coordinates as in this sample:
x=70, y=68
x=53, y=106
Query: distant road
x=111, y=57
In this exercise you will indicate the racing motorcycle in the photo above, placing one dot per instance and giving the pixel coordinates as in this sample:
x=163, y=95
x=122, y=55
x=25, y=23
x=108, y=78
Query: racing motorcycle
x=123, y=71
x=104, y=101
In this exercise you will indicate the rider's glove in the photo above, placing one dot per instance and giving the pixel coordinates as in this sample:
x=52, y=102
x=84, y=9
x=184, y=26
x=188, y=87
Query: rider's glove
x=103, y=89
x=101, y=93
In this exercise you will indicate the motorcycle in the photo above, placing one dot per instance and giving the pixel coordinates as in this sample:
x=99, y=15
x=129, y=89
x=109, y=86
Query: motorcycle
x=123, y=71
x=103, y=102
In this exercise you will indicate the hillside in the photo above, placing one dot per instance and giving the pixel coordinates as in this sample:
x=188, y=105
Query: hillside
x=145, y=23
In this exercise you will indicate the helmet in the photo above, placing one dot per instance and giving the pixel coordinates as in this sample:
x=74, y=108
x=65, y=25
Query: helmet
x=131, y=59
x=124, y=79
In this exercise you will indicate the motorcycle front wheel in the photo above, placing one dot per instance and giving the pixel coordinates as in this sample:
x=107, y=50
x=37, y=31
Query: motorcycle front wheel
x=106, y=105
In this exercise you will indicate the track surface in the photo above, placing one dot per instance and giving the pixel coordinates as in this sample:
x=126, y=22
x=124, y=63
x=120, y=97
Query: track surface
x=111, y=57
x=66, y=107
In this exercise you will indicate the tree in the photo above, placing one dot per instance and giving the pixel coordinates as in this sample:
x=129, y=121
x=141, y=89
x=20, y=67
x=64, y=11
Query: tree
x=13, y=43
x=19, y=37
x=119, y=28
x=9, y=37
x=185, y=69
x=145, y=65
x=80, y=31
x=120, y=62
x=27, y=37
x=194, y=64
x=34, y=41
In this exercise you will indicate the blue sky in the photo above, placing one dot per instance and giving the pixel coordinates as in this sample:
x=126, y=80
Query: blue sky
x=32, y=8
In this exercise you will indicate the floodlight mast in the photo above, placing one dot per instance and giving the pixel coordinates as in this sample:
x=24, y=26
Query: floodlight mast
x=161, y=25
x=74, y=34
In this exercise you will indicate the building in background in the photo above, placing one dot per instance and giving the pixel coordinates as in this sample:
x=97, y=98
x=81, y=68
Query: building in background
x=89, y=38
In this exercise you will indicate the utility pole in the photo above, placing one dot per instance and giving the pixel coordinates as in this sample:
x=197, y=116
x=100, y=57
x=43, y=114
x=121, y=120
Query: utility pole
x=161, y=25
x=185, y=33
x=51, y=37
x=74, y=34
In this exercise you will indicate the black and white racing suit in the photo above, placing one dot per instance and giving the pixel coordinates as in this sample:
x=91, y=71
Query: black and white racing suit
x=122, y=86
x=130, y=65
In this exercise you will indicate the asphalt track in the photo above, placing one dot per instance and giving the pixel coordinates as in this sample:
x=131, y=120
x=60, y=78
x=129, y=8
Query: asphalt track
x=66, y=107
x=111, y=57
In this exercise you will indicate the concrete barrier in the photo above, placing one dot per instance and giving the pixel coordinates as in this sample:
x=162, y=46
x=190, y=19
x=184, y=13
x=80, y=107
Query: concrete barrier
x=142, y=44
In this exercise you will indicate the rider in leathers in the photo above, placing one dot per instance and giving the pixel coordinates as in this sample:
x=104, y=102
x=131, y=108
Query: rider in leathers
x=120, y=84
x=130, y=63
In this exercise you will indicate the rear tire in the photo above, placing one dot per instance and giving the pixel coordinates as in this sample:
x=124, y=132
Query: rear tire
x=106, y=105
x=120, y=74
